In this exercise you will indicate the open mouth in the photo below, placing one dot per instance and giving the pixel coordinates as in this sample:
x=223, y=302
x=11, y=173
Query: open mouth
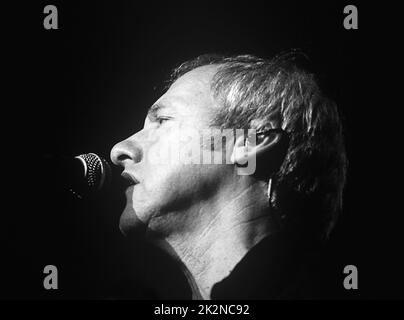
x=129, y=180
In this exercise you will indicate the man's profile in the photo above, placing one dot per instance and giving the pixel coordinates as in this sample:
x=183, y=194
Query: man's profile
x=238, y=235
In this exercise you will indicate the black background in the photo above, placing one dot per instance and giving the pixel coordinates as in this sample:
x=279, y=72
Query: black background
x=86, y=86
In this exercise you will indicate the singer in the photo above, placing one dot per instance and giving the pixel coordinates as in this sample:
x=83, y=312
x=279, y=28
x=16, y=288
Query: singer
x=238, y=235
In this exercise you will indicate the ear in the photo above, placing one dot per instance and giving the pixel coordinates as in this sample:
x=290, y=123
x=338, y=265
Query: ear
x=254, y=146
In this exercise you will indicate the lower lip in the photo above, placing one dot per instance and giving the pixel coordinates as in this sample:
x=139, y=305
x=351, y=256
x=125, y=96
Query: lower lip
x=129, y=189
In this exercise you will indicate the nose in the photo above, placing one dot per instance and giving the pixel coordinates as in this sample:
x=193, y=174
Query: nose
x=126, y=151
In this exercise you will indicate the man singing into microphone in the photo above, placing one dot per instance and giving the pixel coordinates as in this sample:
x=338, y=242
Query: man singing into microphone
x=242, y=227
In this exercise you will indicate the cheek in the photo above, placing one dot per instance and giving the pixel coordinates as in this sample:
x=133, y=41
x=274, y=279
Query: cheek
x=161, y=158
x=167, y=187
x=166, y=179
x=159, y=152
x=160, y=178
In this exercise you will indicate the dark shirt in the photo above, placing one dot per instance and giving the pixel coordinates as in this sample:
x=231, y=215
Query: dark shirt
x=275, y=268
x=278, y=267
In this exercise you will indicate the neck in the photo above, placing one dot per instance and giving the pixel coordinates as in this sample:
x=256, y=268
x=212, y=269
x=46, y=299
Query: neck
x=230, y=227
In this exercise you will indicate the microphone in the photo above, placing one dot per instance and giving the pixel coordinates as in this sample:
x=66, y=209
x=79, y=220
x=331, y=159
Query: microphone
x=82, y=175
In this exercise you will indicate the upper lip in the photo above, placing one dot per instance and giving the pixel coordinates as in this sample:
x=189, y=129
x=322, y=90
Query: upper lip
x=129, y=178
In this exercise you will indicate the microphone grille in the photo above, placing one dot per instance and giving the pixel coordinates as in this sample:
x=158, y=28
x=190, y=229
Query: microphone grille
x=97, y=171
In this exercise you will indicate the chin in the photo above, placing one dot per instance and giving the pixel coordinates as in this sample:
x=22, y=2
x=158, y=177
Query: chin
x=129, y=222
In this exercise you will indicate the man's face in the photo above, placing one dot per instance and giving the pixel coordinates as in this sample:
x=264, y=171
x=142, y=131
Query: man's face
x=166, y=186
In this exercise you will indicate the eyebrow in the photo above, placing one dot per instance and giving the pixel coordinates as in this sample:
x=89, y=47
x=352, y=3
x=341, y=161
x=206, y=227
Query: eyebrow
x=154, y=109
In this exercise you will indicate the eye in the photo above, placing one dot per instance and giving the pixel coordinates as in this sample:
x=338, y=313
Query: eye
x=161, y=120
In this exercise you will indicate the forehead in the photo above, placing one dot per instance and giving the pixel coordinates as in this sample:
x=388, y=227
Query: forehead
x=191, y=92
